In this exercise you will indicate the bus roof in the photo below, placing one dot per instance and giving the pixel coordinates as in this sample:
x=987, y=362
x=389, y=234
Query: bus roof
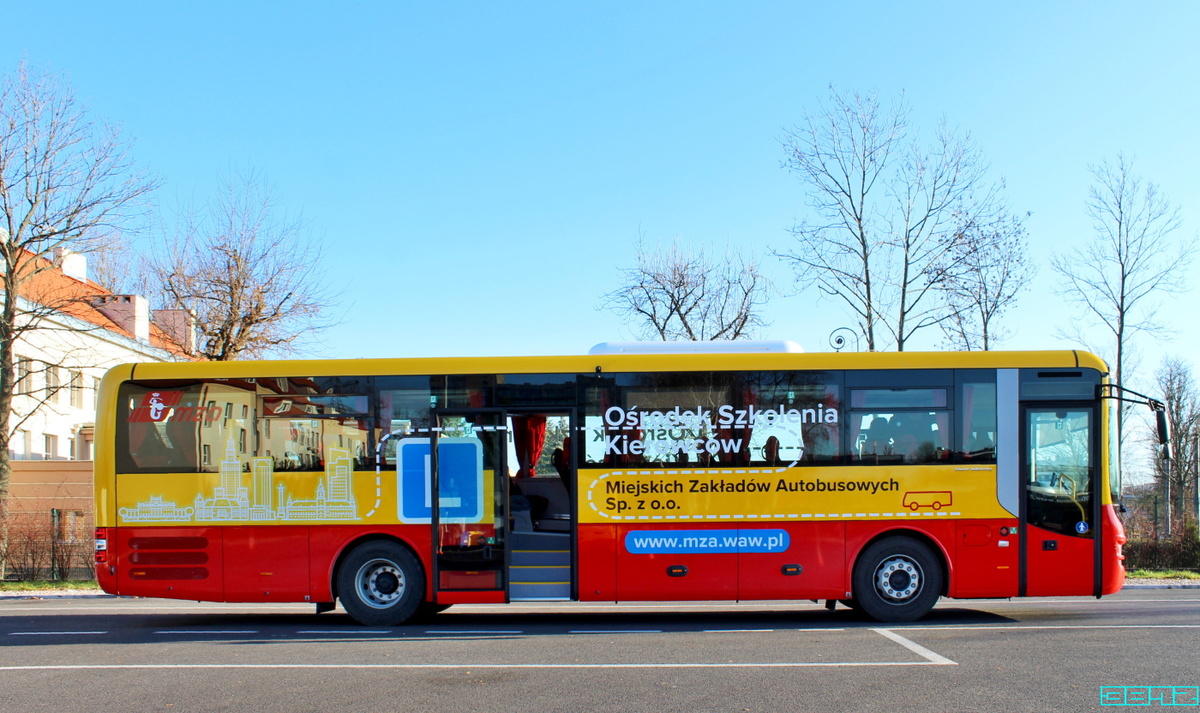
x=621, y=362
x=710, y=347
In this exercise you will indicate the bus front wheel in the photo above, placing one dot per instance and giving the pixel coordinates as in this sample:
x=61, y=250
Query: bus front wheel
x=381, y=584
x=897, y=579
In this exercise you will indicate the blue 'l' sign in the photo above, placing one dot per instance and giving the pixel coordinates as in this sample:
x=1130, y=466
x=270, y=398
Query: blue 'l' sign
x=460, y=480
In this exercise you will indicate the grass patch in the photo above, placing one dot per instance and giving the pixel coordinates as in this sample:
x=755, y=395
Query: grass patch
x=1162, y=574
x=46, y=585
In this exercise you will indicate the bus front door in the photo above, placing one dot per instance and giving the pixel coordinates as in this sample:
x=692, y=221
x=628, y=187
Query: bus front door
x=468, y=468
x=1058, y=516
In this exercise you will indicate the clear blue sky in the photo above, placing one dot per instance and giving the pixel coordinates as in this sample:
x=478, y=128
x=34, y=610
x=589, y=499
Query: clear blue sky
x=479, y=171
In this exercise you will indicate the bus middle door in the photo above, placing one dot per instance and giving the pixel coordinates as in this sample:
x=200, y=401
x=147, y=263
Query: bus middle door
x=470, y=534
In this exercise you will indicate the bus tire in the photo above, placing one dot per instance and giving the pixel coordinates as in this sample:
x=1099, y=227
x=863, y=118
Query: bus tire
x=428, y=610
x=897, y=579
x=381, y=584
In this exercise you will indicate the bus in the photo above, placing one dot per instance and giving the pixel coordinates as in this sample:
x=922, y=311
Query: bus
x=686, y=471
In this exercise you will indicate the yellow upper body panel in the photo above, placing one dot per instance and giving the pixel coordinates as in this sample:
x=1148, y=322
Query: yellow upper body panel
x=616, y=363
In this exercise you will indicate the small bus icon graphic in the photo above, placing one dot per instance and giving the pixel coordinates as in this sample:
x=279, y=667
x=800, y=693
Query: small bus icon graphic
x=936, y=499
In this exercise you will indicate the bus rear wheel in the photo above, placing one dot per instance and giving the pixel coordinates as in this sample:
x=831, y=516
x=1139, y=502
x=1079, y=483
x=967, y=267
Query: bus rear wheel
x=897, y=579
x=380, y=584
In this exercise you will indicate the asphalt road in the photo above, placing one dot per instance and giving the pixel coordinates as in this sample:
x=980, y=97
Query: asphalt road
x=105, y=654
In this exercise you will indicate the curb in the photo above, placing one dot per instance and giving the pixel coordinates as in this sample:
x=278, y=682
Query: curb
x=56, y=595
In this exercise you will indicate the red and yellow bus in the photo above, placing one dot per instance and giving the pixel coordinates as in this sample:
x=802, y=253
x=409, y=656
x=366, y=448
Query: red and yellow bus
x=400, y=487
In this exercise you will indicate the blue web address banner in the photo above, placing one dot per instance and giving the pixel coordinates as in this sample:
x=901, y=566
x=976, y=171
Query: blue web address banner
x=647, y=542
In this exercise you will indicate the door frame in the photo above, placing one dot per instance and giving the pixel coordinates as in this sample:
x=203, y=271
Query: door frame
x=500, y=496
x=1024, y=469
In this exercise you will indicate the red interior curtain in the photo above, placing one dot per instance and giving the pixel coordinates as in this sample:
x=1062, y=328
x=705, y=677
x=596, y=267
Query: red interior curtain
x=529, y=437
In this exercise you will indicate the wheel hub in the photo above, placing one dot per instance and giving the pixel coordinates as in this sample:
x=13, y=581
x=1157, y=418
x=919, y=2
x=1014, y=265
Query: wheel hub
x=898, y=578
x=380, y=583
x=387, y=583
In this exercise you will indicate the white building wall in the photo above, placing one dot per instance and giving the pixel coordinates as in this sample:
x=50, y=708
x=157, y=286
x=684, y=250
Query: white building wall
x=63, y=425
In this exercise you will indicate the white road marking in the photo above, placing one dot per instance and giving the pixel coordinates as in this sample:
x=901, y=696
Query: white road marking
x=616, y=631
x=204, y=632
x=346, y=631
x=543, y=666
x=472, y=632
x=56, y=633
x=932, y=657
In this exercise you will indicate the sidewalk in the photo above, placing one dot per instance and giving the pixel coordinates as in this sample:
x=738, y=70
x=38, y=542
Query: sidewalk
x=55, y=594
x=1162, y=584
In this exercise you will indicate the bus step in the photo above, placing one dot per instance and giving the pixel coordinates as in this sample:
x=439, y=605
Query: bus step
x=541, y=558
x=539, y=591
x=534, y=574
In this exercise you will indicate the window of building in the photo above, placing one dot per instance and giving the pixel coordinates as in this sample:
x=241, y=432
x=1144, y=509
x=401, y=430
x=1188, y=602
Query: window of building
x=53, y=385
x=18, y=446
x=76, y=389
x=50, y=447
x=21, y=368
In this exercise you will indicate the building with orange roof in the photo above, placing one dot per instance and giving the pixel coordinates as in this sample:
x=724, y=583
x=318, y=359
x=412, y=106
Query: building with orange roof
x=85, y=330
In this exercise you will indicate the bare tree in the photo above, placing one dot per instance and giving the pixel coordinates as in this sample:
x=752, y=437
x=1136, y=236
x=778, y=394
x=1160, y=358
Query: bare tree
x=67, y=184
x=992, y=273
x=1175, y=478
x=1133, y=260
x=115, y=268
x=250, y=273
x=682, y=294
x=884, y=236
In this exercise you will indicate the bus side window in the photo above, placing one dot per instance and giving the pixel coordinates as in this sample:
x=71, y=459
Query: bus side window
x=403, y=409
x=977, y=423
x=789, y=418
x=901, y=425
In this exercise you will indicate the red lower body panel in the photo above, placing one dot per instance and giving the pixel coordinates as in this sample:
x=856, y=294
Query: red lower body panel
x=1113, y=557
x=275, y=563
x=1058, y=564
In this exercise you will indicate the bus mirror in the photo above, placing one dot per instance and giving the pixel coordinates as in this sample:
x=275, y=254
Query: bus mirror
x=1164, y=426
x=1164, y=433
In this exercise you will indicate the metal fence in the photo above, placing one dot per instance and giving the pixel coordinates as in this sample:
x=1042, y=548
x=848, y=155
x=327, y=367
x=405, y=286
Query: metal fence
x=52, y=544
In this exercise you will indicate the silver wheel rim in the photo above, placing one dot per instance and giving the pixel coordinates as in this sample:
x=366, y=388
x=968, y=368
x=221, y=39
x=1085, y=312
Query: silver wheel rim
x=898, y=579
x=379, y=583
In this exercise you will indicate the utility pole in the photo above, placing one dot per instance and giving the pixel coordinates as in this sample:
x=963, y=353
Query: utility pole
x=1167, y=502
x=1196, y=482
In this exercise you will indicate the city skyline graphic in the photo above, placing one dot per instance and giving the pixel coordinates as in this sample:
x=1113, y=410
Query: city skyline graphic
x=263, y=499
